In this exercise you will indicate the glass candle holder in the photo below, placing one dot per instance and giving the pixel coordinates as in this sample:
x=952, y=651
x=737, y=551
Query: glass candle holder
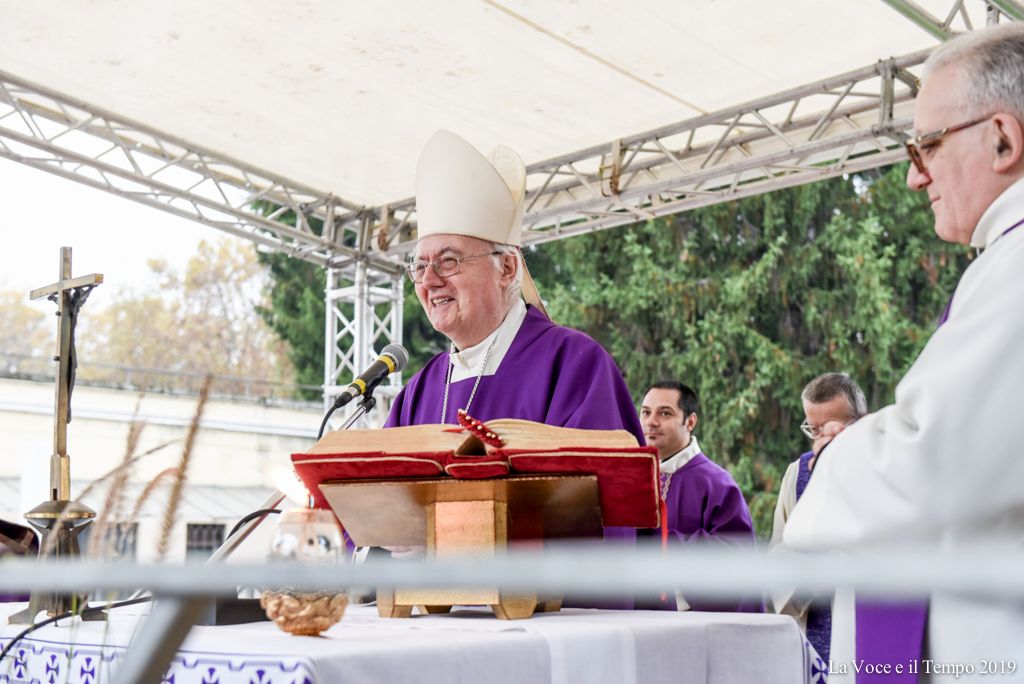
x=309, y=536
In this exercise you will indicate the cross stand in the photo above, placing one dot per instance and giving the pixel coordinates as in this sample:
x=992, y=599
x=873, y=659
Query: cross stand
x=59, y=520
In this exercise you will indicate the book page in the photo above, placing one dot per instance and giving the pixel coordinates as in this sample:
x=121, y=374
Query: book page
x=529, y=436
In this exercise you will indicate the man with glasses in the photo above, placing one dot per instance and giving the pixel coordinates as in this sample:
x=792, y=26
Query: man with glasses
x=506, y=358
x=831, y=402
x=942, y=468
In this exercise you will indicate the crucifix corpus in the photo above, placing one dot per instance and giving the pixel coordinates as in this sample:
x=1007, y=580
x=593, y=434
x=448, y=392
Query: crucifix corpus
x=58, y=516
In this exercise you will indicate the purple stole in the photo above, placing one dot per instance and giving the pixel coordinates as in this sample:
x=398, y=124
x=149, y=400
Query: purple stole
x=893, y=631
x=819, y=614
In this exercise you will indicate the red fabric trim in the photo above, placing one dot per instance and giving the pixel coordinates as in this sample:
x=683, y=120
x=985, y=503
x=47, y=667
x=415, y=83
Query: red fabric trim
x=628, y=486
x=315, y=469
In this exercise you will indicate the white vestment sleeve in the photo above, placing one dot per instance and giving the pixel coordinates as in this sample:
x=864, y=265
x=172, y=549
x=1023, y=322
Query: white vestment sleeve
x=944, y=462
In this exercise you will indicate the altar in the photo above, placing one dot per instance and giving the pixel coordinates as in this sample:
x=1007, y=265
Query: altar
x=469, y=645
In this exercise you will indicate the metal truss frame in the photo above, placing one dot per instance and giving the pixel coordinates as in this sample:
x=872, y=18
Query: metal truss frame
x=845, y=124
x=956, y=19
x=58, y=134
x=362, y=315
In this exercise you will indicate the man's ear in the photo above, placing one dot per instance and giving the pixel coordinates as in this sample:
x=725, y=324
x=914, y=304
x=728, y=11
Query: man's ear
x=1009, y=142
x=691, y=422
x=509, y=264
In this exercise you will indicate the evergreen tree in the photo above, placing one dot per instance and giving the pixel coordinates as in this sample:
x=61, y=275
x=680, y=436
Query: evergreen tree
x=749, y=300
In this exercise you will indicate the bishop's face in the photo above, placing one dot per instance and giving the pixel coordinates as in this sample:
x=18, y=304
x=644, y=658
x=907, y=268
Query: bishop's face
x=468, y=306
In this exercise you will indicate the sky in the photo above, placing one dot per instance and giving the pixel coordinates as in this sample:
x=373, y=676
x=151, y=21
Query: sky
x=41, y=212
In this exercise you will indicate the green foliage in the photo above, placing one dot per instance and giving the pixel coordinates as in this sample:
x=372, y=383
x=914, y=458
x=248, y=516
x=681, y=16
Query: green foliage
x=748, y=301
x=296, y=313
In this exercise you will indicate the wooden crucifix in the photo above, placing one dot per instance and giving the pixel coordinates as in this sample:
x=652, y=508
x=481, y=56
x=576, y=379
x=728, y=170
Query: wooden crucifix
x=69, y=294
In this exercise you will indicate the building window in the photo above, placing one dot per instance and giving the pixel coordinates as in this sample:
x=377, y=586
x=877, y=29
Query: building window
x=202, y=540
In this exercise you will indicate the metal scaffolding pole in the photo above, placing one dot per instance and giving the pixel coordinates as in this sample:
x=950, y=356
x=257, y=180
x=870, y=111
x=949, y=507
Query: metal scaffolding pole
x=364, y=313
x=844, y=124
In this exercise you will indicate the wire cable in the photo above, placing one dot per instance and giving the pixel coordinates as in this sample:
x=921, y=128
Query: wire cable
x=86, y=611
x=254, y=514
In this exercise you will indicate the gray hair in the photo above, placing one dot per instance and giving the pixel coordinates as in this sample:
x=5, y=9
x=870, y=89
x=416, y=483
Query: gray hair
x=831, y=385
x=515, y=288
x=992, y=60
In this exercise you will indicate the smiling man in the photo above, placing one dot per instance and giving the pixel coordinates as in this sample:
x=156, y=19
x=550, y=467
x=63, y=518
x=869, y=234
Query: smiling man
x=507, y=359
x=942, y=467
x=700, y=500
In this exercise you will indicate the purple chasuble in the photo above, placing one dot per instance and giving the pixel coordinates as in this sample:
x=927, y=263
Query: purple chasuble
x=704, y=504
x=894, y=631
x=550, y=374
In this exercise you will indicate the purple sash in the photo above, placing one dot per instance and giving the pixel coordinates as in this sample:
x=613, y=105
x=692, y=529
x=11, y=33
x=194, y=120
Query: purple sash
x=892, y=632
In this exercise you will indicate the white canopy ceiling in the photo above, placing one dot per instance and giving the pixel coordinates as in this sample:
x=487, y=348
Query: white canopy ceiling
x=339, y=96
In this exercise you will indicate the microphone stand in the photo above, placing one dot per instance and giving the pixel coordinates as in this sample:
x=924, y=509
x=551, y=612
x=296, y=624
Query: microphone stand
x=365, y=406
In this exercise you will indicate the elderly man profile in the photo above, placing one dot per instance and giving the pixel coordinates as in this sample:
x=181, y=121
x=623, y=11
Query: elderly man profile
x=701, y=501
x=942, y=466
x=831, y=402
x=507, y=360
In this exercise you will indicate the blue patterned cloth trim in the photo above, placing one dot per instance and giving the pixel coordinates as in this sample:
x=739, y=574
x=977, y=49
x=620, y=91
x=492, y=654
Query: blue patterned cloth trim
x=48, y=662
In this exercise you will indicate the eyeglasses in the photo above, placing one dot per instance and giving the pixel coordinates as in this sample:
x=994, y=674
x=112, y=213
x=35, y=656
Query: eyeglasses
x=926, y=142
x=445, y=266
x=814, y=431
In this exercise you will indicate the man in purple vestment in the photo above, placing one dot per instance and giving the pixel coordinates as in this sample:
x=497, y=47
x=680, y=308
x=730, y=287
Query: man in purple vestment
x=702, y=502
x=506, y=358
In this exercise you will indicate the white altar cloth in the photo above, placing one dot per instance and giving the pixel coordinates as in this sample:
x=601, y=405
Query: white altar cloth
x=470, y=645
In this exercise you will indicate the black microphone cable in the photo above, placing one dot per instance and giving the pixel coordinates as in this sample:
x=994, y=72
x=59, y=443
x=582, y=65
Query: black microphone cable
x=92, y=610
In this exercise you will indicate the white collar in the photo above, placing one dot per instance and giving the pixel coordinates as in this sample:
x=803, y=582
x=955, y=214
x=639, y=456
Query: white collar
x=1006, y=210
x=681, y=458
x=466, y=361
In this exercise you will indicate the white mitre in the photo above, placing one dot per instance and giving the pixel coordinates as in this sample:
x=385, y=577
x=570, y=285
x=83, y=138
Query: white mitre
x=461, y=192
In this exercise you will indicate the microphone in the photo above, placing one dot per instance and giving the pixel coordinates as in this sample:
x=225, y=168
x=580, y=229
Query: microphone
x=393, y=358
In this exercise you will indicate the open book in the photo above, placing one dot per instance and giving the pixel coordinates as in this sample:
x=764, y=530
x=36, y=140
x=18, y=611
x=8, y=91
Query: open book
x=627, y=473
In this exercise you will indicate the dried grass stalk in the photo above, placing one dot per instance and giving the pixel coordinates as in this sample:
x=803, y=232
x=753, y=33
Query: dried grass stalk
x=51, y=539
x=99, y=544
x=148, y=491
x=171, y=512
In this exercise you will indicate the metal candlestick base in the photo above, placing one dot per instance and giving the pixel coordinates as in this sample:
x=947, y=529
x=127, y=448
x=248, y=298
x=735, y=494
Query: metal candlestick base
x=66, y=520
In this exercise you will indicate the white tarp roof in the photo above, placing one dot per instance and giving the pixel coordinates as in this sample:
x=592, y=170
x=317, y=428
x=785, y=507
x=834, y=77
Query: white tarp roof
x=341, y=95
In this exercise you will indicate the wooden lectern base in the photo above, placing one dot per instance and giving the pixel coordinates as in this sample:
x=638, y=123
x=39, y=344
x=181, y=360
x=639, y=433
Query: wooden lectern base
x=460, y=517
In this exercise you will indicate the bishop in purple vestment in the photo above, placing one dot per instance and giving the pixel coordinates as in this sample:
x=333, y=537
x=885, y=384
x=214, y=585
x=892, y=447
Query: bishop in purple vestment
x=549, y=374
x=506, y=358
